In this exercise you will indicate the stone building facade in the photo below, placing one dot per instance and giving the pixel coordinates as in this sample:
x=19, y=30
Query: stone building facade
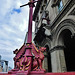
x=55, y=30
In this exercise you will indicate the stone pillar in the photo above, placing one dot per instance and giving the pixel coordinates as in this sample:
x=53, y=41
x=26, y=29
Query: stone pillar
x=45, y=62
x=58, y=59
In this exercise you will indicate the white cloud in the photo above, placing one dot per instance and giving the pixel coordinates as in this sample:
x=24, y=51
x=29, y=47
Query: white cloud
x=13, y=27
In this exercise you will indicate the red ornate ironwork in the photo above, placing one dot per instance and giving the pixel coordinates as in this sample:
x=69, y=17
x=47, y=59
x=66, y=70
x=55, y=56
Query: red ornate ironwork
x=24, y=61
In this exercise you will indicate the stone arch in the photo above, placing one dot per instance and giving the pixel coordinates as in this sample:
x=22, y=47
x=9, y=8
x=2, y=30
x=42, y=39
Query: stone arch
x=66, y=24
x=64, y=35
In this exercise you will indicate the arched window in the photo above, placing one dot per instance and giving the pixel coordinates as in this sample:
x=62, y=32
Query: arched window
x=57, y=3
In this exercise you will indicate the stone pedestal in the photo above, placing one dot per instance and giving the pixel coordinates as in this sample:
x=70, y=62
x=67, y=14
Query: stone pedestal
x=30, y=73
x=13, y=71
x=37, y=73
x=22, y=73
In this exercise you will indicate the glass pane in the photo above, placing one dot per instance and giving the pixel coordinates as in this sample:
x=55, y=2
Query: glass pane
x=60, y=6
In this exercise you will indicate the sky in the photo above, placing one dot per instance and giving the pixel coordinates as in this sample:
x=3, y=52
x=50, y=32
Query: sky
x=13, y=27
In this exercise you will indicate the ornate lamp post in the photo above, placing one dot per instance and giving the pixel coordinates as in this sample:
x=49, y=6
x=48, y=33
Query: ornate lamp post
x=24, y=62
x=28, y=53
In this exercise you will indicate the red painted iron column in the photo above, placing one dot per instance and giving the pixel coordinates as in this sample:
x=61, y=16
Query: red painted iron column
x=29, y=38
x=28, y=52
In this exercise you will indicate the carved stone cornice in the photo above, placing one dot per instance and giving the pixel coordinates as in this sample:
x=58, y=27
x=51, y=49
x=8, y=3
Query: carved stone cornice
x=55, y=3
x=64, y=11
x=58, y=47
x=72, y=12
